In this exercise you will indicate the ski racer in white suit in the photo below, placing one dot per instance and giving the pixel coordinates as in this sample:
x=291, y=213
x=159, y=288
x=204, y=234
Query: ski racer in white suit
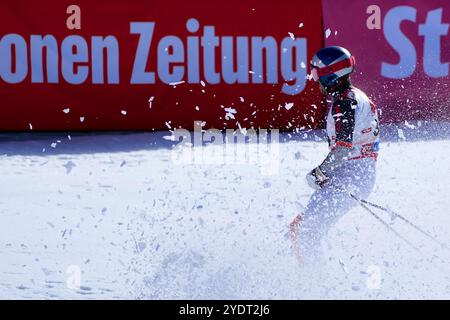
x=350, y=166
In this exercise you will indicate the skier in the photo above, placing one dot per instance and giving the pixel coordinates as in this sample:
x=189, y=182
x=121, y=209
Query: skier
x=349, y=168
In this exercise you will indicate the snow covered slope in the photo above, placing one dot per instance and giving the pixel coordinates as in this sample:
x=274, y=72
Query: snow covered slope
x=118, y=210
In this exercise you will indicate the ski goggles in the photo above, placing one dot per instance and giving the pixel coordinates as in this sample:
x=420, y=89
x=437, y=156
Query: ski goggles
x=318, y=73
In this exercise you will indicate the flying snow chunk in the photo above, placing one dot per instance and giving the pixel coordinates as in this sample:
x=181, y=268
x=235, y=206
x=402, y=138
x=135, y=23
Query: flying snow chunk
x=124, y=112
x=176, y=83
x=401, y=135
x=288, y=106
x=169, y=138
x=291, y=35
x=327, y=33
x=31, y=126
x=242, y=130
x=302, y=65
x=229, y=113
x=150, y=101
x=202, y=83
x=81, y=119
x=230, y=110
x=410, y=126
x=300, y=25
x=66, y=110
x=242, y=99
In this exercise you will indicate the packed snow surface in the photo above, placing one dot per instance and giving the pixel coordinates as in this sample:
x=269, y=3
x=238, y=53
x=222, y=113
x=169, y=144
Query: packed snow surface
x=113, y=215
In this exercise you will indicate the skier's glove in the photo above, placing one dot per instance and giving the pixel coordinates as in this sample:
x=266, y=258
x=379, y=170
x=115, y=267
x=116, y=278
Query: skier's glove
x=317, y=179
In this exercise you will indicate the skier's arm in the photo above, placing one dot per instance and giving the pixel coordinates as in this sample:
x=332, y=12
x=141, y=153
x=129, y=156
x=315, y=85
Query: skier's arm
x=343, y=112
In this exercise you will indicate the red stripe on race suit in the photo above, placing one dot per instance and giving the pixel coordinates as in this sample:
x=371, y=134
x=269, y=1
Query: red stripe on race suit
x=343, y=144
x=367, y=155
x=367, y=151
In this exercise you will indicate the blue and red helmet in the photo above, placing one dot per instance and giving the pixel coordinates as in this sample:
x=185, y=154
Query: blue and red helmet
x=330, y=64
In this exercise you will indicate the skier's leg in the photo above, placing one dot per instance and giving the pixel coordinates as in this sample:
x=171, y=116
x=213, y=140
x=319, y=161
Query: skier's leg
x=328, y=204
x=323, y=208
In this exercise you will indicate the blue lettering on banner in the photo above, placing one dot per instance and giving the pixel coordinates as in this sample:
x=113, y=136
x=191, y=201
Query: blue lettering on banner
x=7, y=72
x=432, y=31
x=203, y=55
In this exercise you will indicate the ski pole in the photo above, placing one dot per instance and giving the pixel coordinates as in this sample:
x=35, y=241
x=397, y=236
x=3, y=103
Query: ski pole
x=386, y=225
x=428, y=235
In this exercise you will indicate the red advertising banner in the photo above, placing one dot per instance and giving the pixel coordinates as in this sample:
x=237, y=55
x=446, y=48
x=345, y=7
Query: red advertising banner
x=147, y=64
x=402, y=51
